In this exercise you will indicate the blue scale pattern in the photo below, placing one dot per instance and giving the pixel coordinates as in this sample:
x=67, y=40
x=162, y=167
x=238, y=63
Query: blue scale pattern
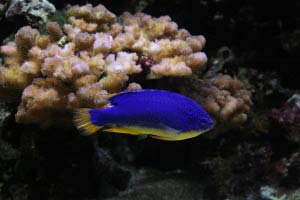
x=153, y=109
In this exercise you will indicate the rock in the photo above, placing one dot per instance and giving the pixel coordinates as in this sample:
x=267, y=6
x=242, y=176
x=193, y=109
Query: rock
x=3, y=6
x=175, y=186
x=34, y=10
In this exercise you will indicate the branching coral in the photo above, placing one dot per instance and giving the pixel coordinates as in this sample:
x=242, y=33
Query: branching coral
x=101, y=53
x=99, y=56
x=226, y=99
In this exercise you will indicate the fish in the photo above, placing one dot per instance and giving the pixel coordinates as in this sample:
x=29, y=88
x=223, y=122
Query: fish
x=156, y=113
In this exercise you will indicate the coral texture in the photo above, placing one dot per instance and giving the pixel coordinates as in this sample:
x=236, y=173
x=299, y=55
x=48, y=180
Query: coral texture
x=58, y=73
x=226, y=99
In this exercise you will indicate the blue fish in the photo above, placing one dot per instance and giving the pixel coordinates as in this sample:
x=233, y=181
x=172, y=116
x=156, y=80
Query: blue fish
x=157, y=113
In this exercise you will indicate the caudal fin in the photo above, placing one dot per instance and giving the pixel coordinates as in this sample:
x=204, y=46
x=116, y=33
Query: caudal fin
x=83, y=123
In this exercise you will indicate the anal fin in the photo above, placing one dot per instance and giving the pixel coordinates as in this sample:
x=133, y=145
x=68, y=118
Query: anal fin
x=181, y=136
x=124, y=130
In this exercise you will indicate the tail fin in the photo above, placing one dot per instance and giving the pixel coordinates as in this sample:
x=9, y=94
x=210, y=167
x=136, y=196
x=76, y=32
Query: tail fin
x=82, y=121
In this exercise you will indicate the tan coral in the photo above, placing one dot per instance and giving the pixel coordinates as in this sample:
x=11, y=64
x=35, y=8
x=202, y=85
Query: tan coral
x=226, y=99
x=42, y=41
x=71, y=31
x=122, y=41
x=11, y=74
x=134, y=86
x=101, y=54
x=115, y=81
x=13, y=78
x=123, y=62
x=25, y=38
x=83, y=25
x=30, y=68
x=100, y=14
x=37, y=100
x=116, y=28
x=96, y=63
x=92, y=95
x=64, y=69
x=85, y=80
x=170, y=67
x=84, y=41
x=196, y=61
x=157, y=27
x=10, y=49
x=167, y=48
x=54, y=31
x=81, y=11
x=90, y=19
x=196, y=42
x=229, y=108
x=103, y=43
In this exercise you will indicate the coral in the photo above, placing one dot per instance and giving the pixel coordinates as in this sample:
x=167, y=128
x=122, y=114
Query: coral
x=226, y=99
x=288, y=118
x=25, y=38
x=98, y=55
x=287, y=170
x=34, y=10
x=11, y=75
x=171, y=67
x=134, y=86
x=36, y=100
x=54, y=31
x=102, y=52
x=84, y=41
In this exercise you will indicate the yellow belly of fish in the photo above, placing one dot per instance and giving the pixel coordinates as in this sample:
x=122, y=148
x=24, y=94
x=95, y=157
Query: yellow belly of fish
x=155, y=133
